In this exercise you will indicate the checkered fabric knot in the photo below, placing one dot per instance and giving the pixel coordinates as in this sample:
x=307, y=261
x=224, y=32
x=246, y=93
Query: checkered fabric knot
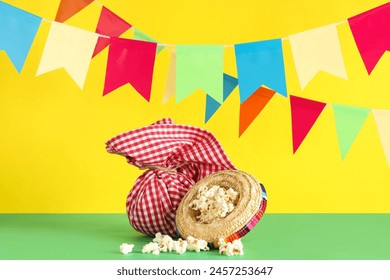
x=175, y=157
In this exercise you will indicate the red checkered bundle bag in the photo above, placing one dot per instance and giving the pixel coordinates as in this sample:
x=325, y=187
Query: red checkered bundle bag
x=176, y=157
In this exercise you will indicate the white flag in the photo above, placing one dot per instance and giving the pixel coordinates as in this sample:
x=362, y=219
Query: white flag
x=170, y=85
x=315, y=50
x=382, y=120
x=70, y=48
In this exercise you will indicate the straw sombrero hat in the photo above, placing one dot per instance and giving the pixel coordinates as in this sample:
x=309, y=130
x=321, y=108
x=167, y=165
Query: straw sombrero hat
x=249, y=208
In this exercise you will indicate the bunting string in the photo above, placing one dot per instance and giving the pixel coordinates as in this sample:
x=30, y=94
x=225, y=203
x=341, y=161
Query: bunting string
x=260, y=65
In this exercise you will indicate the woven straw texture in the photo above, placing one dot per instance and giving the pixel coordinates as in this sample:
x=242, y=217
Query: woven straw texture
x=251, y=200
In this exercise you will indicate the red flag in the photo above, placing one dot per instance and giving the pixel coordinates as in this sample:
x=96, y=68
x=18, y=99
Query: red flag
x=371, y=31
x=304, y=113
x=110, y=25
x=130, y=61
x=252, y=107
x=68, y=8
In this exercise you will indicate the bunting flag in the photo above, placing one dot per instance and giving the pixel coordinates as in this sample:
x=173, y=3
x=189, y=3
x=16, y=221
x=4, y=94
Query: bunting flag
x=130, y=61
x=199, y=67
x=349, y=121
x=70, y=48
x=229, y=84
x=17, y=33
x=68, y=8
x=260, y=63
x=139, y=35
x=211, y=107
x=170, y=85
x=382, y=120
x=304, y=113
x=371, y=31
x=110, y=25
x=315, y=50
x=252, y=107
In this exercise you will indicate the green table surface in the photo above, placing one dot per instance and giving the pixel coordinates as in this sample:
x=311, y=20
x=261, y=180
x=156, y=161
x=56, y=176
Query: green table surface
x=276, y=237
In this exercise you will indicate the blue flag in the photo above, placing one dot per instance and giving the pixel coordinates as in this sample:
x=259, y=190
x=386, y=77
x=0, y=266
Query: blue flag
x=211, y=107
x=17, y=32
x=229, y=84
x=260, y=63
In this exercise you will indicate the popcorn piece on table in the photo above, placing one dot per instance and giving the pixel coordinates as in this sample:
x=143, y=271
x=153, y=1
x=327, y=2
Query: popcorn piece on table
x=126, y=248
x=231, y=248
x=165, y=242
x=180, y=246
x=196, y=245
x=158, y=238
x=151, y=247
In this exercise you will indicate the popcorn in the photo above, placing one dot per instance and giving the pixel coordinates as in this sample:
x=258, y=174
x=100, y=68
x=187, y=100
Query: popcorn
x=165, y=242
x=151, y=247
x=158, y=238
x=214, y=203
x=196, y=245
x=180, y=246
x=126, y=248
x=231, y=248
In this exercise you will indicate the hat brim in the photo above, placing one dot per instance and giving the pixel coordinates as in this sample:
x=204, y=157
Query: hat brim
x=248, y=211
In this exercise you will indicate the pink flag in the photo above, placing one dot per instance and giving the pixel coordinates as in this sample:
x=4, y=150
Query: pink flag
x=304, y=113
x=110, y=25
x=371, y=31
x=130, y=61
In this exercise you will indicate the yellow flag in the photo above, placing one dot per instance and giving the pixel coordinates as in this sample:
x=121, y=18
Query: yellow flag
x=317, y=49
x=70, y=48
x=382, y=120
x=170, y=85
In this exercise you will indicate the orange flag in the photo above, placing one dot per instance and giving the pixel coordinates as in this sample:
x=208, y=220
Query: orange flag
x=252, y=106
x=68, y=8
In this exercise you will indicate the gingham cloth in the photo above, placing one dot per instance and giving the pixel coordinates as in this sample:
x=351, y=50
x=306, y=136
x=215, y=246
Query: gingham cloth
x=176, y=157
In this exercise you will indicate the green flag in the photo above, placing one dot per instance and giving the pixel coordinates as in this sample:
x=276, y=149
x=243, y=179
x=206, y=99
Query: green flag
x=349, y=121
x=139, y=35
x=199, y=67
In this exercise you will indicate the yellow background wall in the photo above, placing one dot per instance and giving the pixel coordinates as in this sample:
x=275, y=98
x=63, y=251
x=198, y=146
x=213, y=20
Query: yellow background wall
x=52, y=144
